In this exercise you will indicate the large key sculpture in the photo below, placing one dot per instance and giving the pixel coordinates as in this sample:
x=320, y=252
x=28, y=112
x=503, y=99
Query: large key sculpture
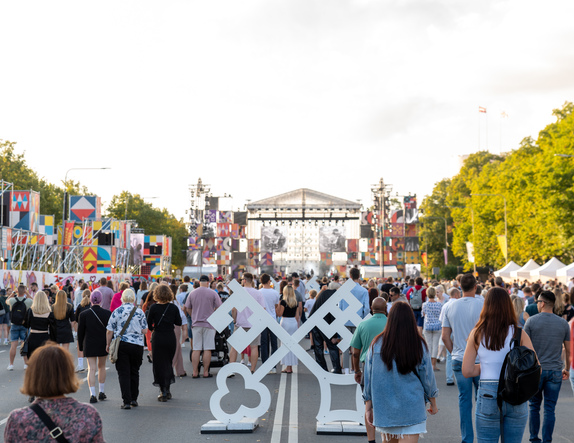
x=260, y=320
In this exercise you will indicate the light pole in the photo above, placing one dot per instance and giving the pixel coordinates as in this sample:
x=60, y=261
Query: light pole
x=379, y=191
x=505, y=221
x=66, y=209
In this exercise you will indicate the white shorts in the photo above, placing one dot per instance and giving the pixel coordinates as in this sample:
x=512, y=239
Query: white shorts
x=203, y=338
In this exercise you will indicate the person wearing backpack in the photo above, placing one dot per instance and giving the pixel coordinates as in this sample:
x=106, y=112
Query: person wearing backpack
x=549, y=334
x=417, y=296
x=491, y=340
x=19, y=305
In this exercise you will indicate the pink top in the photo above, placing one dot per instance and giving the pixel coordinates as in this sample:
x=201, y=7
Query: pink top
x=202, y=302
x=116, y=301
x=572, y=343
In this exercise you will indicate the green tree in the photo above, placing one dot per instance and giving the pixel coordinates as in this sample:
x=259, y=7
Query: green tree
x=153, y=221
x=14, y=169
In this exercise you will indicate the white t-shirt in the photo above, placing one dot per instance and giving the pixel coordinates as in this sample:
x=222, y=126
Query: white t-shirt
x=461, y=316
x=77, y=297
x=271, y=297
x=309, y=304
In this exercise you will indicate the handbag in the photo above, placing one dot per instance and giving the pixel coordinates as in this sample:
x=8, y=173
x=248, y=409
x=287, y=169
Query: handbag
x=115, y=344
x=24, y=345
x=2, y=311
x=55, y=431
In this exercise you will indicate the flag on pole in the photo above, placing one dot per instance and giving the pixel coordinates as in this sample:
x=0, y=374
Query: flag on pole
x=503, y=246
x=445, y=256
x=470, y=251
x=424, y=258
x=482, y=109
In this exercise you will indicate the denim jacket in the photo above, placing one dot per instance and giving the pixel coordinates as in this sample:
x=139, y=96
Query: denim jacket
x=398, y=400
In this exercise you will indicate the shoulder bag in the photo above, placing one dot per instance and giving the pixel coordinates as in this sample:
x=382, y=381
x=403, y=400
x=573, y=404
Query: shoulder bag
x=55, y=431
x=115, y=344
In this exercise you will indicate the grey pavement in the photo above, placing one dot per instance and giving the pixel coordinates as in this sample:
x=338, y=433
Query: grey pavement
x=180, y=419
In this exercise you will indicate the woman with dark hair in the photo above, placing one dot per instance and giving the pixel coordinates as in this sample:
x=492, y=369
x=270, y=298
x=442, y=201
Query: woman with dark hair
x=162, y=318
x=399, y=379
x=49, y=377
x=568, y=309
x=147, y=303
x=490, y=342
x=84, y=304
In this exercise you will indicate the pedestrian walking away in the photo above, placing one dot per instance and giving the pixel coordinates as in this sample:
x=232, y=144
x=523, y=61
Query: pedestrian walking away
x=131, y=346
x=162, y=319
x=92, y=341
x=490, y=342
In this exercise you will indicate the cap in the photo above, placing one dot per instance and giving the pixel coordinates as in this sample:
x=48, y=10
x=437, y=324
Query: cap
x=204, y=278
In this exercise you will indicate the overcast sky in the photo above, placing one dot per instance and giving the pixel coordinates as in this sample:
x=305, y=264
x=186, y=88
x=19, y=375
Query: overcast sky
x=262, y=97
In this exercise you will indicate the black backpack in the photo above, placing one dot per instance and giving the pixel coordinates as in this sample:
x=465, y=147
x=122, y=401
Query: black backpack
x=18, y=312
x=519, y=377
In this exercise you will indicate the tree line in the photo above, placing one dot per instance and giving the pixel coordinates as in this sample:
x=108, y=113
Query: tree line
x=537, y=182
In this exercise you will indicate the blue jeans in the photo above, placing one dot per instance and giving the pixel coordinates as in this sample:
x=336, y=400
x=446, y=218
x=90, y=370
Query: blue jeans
x=419, y=318
x=449, y=371
x=267, y=338
x=550, y=384
x=488, y=416
x=18, y=332
x=464, y=386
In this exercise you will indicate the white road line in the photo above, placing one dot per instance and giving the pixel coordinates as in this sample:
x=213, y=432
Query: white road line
x=3, y=421
x=2, y=351
x=294, y=409
x=278, y=420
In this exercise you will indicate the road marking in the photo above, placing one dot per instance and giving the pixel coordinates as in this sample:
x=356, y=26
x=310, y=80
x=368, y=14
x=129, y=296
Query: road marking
x=3, y=421
x=2, y=351
x=294, y=408
x=278, y=420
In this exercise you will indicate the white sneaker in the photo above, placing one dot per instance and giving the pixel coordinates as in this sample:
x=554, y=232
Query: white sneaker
x=6, y=343
x=183, y=345
x=10, y=367
x=25, y=366
x=273, y=371
x=80, y=369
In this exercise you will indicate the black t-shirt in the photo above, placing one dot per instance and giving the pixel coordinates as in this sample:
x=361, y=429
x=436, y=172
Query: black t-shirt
x=288, y=312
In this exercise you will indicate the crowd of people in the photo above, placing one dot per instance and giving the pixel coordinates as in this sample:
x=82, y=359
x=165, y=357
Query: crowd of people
x=394, y=353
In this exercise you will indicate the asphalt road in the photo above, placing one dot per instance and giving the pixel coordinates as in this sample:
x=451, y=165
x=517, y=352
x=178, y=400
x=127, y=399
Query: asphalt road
x=180, y=419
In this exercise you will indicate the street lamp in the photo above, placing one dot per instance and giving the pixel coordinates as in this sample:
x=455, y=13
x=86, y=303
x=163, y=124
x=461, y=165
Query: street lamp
x=563, y=155
x=66, y=209
x=505, y=220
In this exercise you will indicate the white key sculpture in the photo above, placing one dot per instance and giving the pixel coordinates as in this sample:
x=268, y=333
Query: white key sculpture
x=260, y=320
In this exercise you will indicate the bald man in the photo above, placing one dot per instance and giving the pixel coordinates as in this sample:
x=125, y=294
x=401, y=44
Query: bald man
x=366, y=331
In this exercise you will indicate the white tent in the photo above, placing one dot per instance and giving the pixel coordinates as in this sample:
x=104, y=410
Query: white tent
x=565, y=273
x=547, y=270
x=505, y=272
x=524, y=272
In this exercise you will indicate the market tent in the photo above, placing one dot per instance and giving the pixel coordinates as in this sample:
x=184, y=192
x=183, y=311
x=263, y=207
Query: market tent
x=505, y=272
x=524, y=272
x=547, y=270
x=566, y=273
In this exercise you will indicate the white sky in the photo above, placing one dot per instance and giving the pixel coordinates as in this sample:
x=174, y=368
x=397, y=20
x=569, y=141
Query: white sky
x=260, y=97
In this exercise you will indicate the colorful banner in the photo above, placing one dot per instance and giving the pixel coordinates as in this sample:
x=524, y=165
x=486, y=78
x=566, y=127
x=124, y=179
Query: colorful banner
x=68, y=233
x=424, y=258
x=352, y=245
x=503, y=245
x=470, y=251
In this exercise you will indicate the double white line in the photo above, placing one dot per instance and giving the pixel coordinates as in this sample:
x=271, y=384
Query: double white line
x=293, y=409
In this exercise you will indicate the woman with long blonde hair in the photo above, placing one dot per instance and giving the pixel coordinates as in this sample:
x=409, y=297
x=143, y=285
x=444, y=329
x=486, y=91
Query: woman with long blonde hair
x=287, y=309
x=41, y=323
x=64, y=315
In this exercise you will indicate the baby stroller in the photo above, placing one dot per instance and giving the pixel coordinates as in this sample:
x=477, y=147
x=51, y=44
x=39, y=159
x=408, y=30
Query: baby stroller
x=219, y=356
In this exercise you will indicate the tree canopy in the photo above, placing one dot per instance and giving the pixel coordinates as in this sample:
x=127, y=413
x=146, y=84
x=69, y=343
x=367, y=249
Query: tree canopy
x=153, y=220
x=536, y=180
